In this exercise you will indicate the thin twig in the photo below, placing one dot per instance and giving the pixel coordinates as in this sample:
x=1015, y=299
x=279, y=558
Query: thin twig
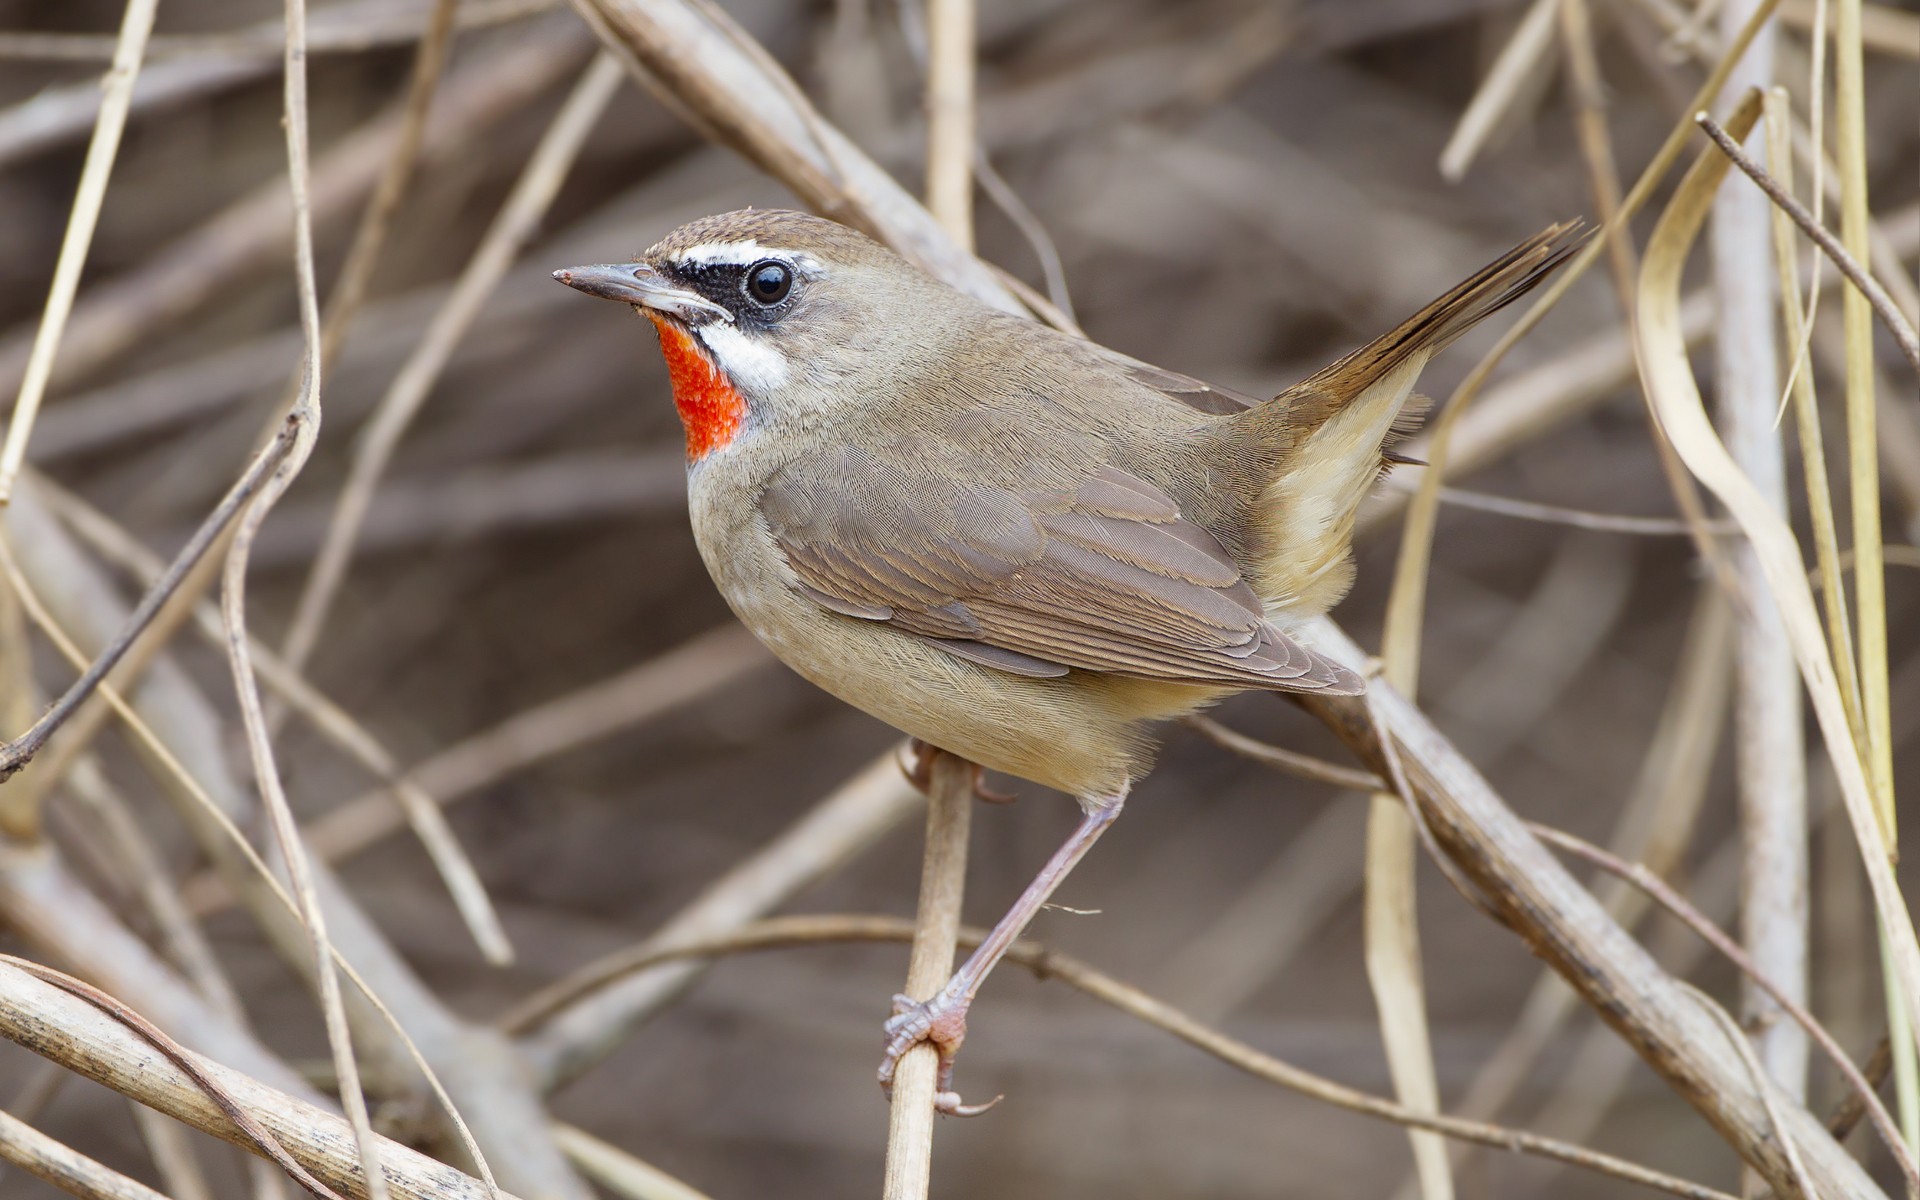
x=350, y=286
x=572, y=1024
x=1579, y=518
x=516, y=221
x=472, y=1056
x=417, y=809
x=916, y=1084
x=353, y=27
x=619, y=1171
x=1281, y=759
x=117, y=96
x=16, y=753
x=781, y=932
x=304, y=420
x=1673, y=902
x=1883, y=306
x=680, y=676
x=1738, y=1040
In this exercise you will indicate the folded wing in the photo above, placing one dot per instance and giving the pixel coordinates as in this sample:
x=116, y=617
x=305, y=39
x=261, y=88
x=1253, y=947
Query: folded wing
x=1101, y=573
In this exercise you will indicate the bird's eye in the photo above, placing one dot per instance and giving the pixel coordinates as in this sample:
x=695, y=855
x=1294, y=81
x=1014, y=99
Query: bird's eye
x=769, y=282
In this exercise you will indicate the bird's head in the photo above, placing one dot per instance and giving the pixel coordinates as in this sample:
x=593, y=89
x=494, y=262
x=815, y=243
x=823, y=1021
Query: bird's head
x=766, y=312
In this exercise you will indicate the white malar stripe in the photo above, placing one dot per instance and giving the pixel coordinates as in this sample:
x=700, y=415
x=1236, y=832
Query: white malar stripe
x=751, y=364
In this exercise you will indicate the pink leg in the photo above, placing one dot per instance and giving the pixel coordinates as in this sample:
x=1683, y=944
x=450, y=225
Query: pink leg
x=943, y=1019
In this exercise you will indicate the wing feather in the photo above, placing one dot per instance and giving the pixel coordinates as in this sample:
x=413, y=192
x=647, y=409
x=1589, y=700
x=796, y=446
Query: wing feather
x=1103, y=574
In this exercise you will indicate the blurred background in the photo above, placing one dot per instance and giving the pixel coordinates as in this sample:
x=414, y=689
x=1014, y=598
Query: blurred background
x=1238, y=191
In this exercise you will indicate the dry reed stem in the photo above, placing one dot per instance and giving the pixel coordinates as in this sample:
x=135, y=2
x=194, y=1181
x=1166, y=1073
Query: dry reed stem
x=1813, y=454
x=781, y=932
x=257, y=1136
x=353, y=27
x=1661, y=893
x=1390, y=917
x=1654, y=826
x=915, y=1086
x=408, y=1027
x=1670, y=383
x=936, y=932
x=66, y=1029
x=415, y=806
x=519, y=217
x=618, y=1171
x=1523, y=55
x=116, y=96
x=699, y=666
x=1589, y=95
x=20, y=750
x=66, y=1168
x=1565, y=925
x=1769, y=748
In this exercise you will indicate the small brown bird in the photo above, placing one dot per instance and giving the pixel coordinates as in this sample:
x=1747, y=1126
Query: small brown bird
x=1013, y=544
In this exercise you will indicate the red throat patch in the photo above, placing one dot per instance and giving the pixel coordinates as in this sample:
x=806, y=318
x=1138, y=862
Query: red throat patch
x=710, y=409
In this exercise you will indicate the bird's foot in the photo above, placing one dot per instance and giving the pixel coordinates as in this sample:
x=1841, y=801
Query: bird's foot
x=919, y=772
x=942, y=1023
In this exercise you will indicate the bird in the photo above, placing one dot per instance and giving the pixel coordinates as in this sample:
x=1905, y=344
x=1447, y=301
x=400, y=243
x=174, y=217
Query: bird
x=1014, y=544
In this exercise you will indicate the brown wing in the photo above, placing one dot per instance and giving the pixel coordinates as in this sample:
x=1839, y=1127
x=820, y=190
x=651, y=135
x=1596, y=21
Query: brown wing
x=1102, y=574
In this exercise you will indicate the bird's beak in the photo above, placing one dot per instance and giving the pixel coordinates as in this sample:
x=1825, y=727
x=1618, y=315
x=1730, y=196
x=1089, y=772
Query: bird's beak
x=639, y=284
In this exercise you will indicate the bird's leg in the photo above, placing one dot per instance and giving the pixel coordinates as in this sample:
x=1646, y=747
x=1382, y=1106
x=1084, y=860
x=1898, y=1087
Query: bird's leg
x=942, y=1020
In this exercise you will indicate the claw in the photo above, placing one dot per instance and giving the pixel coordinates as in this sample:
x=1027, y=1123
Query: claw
x=918, y=769
x=949, y=1104
x=942, y=1023
x=982, y=792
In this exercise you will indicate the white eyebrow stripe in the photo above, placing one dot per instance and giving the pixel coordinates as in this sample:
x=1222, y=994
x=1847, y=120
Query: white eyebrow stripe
x=740, y=253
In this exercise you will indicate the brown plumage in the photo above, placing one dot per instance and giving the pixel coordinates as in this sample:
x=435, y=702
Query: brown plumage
x=1013, y=544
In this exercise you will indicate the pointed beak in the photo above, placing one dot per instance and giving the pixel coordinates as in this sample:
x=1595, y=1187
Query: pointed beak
x=638, y=284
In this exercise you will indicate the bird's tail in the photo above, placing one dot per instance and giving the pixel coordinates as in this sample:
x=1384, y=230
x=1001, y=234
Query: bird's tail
x=1328, y=437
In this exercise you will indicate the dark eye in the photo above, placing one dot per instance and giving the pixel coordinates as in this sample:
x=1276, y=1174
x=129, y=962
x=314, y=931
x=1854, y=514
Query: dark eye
x=769, y=282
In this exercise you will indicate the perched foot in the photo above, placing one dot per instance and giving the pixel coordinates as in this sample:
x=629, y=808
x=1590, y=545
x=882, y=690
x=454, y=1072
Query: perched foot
x=942, y=1023
x=919, y=772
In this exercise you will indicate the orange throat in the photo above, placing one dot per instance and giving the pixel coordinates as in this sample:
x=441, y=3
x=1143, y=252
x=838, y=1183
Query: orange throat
x=711, y=410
